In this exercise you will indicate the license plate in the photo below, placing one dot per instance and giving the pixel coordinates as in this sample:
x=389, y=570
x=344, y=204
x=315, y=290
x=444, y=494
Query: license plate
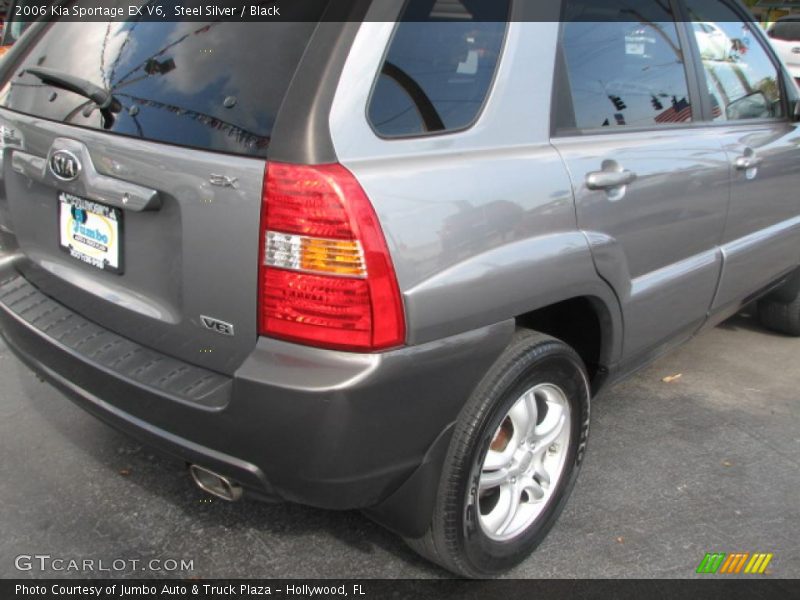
x=90, y=232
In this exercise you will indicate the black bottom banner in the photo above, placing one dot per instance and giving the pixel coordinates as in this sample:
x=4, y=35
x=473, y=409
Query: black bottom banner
x=367, y=589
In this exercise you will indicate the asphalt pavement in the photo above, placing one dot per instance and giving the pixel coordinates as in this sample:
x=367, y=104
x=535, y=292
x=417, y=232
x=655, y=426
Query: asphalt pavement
x=709, y=462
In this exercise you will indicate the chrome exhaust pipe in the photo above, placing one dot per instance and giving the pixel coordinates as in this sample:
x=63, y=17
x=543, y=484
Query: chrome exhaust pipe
x=215, y=484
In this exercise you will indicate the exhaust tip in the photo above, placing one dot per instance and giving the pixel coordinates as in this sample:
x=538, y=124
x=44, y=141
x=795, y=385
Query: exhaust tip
x=215, y=484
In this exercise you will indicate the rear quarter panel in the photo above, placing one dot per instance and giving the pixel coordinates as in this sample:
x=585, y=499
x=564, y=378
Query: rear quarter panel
x=481, y=223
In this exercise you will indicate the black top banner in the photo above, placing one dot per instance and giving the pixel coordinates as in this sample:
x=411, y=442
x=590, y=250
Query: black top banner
x=350, y=10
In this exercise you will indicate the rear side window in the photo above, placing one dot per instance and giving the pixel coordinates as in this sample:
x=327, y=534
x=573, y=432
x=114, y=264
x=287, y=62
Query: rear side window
x=624, y=67
x=439, y=67
x=215, y=86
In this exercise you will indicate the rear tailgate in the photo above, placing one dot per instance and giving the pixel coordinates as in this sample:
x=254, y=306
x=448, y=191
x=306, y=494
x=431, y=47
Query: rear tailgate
x=172, y=175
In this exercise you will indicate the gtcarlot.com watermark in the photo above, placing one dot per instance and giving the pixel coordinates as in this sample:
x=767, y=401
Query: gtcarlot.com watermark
x=60, y=564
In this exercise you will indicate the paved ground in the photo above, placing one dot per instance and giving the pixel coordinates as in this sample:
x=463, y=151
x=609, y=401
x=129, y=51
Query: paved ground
x=709, y=462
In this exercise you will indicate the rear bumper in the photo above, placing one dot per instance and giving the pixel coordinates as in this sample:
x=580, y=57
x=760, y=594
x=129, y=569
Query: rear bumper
x=329, y=429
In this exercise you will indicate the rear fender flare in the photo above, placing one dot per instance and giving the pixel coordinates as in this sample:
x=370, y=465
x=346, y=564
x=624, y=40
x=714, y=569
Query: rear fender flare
x=510, y=281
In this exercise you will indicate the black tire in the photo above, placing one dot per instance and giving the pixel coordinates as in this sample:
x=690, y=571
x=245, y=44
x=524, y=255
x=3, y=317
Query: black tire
x=780, y=310
x=783, y=317
x=454, y=539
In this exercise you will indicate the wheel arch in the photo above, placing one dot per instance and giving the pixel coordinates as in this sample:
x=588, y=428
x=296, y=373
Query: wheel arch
x=586, y=323
x=543, y=283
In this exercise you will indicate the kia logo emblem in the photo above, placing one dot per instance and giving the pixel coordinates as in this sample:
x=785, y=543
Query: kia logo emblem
x=65, y=165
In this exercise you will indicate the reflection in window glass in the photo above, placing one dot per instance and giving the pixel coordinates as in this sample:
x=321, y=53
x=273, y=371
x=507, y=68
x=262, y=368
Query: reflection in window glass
x=742, y=80
x=787, y=30
x=624, y=64
x=439, y=67
x=215, y=86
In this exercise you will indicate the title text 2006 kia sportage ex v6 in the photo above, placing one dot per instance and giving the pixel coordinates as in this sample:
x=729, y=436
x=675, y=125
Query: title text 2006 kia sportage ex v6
x=383, y=260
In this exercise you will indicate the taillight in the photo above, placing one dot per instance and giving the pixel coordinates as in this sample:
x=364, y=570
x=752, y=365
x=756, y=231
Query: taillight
x=326, y=275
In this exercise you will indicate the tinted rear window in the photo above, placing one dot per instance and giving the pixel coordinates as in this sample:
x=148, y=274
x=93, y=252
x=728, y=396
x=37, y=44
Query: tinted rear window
x=215, y=86
x=439, y=68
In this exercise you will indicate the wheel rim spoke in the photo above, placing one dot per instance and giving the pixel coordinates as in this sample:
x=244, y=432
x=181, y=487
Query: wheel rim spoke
x=539, y=473
x=499, y=460
x=492, y=479
x=523, y=416
x=510, y=508
x=534, y=490
x=495, y=519
x=548, y=431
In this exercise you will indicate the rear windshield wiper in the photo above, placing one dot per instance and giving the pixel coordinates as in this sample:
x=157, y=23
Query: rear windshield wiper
x=102, y=98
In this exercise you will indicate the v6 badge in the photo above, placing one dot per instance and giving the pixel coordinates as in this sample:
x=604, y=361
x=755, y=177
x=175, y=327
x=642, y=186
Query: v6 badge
x=216, y=325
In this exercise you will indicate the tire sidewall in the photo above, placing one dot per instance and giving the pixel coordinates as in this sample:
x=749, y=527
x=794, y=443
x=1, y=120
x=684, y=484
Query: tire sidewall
x=487, y=557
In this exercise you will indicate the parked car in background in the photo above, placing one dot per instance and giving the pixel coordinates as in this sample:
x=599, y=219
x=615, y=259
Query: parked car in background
x=785, y=36
x=386, y=263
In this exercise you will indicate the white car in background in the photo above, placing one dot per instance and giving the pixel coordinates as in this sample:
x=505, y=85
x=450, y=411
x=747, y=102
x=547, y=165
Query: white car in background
x=785, y=37
x=713, y=43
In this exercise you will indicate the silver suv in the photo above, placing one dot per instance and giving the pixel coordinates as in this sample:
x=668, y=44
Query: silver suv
x=381, y=257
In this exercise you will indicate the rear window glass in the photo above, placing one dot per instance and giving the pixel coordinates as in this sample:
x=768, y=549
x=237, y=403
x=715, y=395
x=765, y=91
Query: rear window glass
x=786, y=30
x=215, y=86
x=439, y=68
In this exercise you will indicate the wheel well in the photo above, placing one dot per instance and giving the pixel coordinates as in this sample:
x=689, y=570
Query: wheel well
x=579, y=322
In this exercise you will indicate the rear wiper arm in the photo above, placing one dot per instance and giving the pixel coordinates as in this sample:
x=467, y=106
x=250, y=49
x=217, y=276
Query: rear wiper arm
x=103, y=98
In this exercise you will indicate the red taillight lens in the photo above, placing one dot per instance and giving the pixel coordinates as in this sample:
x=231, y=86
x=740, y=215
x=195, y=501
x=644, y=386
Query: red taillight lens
x=326, y=275
x=310, y=200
